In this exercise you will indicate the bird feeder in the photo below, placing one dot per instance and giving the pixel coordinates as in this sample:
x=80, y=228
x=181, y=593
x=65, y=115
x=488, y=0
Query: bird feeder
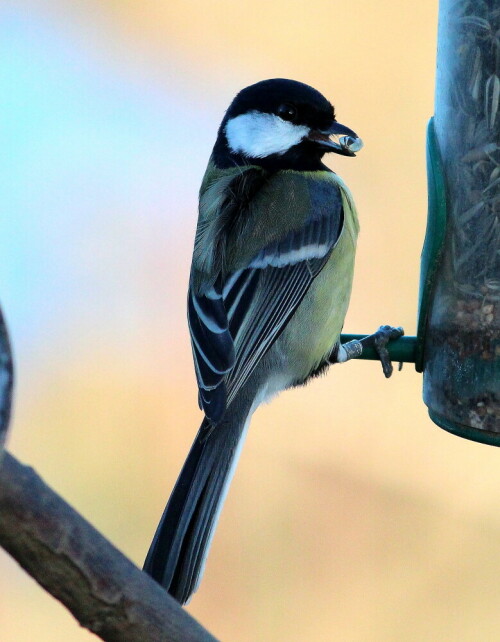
x=458, y=340
x=462, y=339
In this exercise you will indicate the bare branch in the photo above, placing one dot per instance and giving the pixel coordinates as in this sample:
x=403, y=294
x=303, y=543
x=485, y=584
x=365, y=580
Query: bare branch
x=105, y=592
x=6, y=382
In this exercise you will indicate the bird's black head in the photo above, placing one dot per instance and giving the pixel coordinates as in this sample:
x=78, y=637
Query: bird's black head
x=281, y=124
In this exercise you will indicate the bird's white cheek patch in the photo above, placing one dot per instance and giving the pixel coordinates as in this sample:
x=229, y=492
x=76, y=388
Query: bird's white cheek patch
x=258, y=135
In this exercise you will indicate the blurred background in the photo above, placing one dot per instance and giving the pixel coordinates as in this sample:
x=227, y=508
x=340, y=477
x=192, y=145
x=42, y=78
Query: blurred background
x=351, y=516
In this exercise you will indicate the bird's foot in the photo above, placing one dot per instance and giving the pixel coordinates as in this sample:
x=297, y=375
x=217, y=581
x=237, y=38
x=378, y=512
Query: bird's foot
x=376, y=342
x=379, y=340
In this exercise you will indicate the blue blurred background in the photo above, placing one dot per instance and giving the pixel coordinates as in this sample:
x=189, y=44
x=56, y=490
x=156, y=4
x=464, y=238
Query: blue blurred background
x=351, y=516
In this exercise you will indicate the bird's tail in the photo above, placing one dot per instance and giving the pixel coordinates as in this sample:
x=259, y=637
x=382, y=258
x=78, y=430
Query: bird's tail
x=177, y=555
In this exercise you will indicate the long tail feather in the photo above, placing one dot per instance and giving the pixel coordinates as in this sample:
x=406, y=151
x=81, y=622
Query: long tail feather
x=179, y=549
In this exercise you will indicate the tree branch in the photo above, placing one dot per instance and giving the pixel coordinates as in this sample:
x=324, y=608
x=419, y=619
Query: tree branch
x=106, y=593
x=6, y=382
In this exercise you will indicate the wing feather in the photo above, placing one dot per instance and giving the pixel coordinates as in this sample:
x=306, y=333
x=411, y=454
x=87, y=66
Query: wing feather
x=213, y=348
x=234, y=322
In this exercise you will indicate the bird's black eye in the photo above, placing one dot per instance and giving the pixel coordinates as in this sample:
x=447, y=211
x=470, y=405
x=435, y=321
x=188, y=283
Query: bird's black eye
x=287, y=111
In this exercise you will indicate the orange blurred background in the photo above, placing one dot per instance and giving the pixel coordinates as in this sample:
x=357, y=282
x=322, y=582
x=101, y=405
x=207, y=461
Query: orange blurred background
x=351, y=517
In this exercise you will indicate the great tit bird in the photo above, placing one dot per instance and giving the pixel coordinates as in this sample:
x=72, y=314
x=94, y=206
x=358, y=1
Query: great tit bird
x=269, y=288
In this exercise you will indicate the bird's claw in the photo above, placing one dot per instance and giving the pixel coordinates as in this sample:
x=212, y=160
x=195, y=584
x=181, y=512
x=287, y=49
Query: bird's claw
x=381, y=338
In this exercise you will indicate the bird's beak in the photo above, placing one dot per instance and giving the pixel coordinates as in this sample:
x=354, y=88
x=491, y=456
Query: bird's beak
x=338, y=139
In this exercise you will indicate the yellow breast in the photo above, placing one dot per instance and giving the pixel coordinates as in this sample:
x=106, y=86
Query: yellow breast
x=315, y=327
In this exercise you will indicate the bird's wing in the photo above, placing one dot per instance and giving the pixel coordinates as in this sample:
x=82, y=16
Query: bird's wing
x=235, y=320
x=213, y=348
